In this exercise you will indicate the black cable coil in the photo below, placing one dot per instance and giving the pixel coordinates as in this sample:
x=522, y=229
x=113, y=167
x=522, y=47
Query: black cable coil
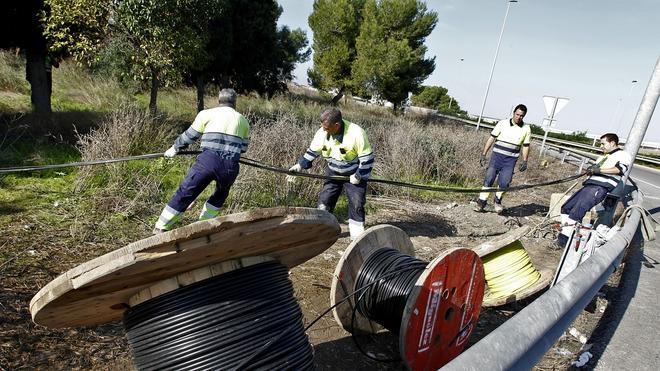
x=385, y=301
x=243, y=319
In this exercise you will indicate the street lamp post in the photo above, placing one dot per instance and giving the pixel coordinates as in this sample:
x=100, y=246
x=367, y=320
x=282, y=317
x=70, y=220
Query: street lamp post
x=451, y=97
x=623, y=109
x=492, y=68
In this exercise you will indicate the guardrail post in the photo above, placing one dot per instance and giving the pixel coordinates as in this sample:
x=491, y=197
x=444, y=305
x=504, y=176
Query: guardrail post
x=563, y=157
x=581, y=165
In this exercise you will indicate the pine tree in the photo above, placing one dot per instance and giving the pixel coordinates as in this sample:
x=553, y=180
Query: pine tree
x=390, y=59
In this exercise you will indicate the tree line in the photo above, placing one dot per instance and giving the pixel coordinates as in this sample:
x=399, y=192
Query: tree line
x=370, y=48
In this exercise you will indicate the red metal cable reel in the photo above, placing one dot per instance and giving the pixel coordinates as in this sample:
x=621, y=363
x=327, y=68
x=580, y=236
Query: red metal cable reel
x=442, y=310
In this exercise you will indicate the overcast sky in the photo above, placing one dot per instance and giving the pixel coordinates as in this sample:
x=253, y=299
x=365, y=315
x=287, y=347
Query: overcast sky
x=589, y=51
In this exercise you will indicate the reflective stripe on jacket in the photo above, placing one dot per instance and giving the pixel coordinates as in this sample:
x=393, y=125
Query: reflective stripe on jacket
x=221, y=129
x=510, y=137
x=617, y=158
x=347, y=152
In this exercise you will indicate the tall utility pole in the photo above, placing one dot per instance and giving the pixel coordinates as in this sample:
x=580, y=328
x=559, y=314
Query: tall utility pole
x=451, y=97
x=492, y=68
x=643, y=117
x=623, y=104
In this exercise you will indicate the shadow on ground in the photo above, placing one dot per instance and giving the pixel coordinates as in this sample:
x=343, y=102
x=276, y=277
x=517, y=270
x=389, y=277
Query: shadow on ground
x=525, y=210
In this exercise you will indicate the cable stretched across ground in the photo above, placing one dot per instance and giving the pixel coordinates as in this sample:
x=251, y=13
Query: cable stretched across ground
x=261, y=165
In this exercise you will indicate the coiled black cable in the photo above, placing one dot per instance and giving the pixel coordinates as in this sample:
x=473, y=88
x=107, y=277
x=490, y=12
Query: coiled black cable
x=385, y=301
x=235, y=320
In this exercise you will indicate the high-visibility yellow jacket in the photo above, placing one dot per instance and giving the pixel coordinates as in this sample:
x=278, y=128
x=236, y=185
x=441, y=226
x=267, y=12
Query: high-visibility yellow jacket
x=347, y=152
x=510, y=137
x=222, y=129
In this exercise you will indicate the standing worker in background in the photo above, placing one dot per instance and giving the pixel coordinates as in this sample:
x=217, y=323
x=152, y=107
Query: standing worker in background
x=224, y=134
x=604, y=175
x=509, y=136
x=347, y=152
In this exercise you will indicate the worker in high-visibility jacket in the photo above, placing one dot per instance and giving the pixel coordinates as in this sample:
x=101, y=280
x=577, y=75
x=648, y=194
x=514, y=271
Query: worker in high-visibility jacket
x=605, y=175
x=345, y=147
x=508, y=138
x=224, y=136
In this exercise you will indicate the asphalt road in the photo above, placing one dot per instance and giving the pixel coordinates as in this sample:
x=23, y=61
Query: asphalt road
x=630, y=338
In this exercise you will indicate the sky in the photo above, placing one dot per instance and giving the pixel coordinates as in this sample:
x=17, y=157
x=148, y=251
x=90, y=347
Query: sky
x=588, y=51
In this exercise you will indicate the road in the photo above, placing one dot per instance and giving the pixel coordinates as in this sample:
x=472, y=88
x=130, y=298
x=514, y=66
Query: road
x=630, y=339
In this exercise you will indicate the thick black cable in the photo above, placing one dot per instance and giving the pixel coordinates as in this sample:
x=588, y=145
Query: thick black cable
x=261, y=165
x=385, y=301
x=219, y=322
x=385, y=280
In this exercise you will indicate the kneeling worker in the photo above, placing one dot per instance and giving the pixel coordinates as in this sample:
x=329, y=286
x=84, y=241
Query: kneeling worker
x=605, y=174
x=345, y=147
x=224, y=134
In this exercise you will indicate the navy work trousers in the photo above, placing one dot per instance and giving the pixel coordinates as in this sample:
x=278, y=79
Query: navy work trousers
x=356, y=193
x=583, y=200
x=500, y=167
x=210, y=165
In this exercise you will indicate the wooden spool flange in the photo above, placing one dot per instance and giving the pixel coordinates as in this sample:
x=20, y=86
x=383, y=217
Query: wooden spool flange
x=441, y=311
x=100, y=290
x=500, y=242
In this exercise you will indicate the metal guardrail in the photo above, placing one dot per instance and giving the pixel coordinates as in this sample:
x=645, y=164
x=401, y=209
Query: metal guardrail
x=521, y=342
x=554, y=140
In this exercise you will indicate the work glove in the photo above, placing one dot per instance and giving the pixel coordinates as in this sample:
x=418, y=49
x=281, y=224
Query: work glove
x=354, y=179
x=170, y=152
x=593, y=169
x=522, y=166
x=292, y=178
x=482, y=161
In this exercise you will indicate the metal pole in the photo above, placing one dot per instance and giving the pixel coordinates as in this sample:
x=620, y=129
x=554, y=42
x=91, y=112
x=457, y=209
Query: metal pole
x=552, y=116
x=643, y=117
x=492, y=68
x=623, y=110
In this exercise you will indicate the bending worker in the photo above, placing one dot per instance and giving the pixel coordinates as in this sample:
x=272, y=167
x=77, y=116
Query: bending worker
x=347, y=152
x=604, y=176
x=224, y=134
x=509, y=137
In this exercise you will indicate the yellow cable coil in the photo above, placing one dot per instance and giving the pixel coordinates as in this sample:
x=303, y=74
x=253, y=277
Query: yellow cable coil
x=508, y=271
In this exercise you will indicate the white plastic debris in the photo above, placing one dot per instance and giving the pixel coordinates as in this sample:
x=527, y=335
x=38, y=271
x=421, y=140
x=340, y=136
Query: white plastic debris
x=563, y=352
x=578, y=335
x=583, y=359
x=56, y=204
x=31, y=252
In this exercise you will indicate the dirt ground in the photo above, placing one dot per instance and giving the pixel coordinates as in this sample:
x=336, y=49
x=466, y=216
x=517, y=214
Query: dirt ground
x=432, y=227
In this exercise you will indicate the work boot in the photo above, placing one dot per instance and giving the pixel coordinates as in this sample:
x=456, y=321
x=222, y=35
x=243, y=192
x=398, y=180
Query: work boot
x=479, y=207
x=158, y=231
x=498, y=207
x=561, y=241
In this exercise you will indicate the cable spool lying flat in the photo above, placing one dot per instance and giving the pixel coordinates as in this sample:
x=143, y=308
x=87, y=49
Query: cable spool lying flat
x=497, y=294
x=214, y=294
x=433, y=306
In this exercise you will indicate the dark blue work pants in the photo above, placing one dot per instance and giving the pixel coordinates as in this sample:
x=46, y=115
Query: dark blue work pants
x=356, y=194
x=500, y=167
x=210, y=165
x=583, y=200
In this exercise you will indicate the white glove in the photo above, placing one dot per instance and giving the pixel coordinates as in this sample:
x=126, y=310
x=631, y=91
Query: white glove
x=354, y=179
x=292, y=178
x=170, y=152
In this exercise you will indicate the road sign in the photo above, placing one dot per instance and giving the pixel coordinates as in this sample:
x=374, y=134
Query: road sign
x=557, y=102
x=552, y=106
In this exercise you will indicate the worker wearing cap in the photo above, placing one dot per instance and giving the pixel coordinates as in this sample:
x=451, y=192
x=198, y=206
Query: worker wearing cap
x=604, y=175
x=508, y=138
x=345, y=147
x=224, y=136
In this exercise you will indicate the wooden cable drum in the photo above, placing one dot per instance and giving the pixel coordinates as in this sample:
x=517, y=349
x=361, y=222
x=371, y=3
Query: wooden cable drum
x=212, y=294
